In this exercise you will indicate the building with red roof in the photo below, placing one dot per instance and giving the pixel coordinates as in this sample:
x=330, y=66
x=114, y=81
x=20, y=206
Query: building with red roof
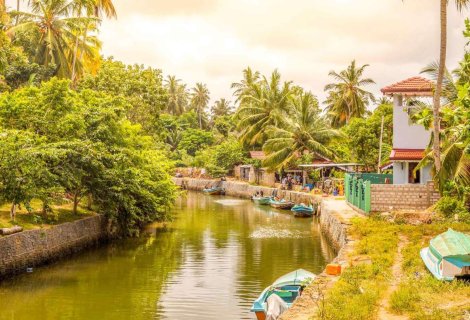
x=409, y=139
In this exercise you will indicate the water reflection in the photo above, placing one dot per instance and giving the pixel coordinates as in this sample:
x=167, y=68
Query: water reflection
x=210, y=263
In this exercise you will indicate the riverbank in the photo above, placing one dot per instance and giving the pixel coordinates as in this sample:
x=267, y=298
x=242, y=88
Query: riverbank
x=32, y=248
x=383, y=276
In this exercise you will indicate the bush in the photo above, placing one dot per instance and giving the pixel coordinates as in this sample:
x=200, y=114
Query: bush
x=449, y=206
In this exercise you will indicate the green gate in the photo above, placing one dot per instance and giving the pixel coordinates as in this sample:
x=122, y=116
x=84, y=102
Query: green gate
x=357, y=191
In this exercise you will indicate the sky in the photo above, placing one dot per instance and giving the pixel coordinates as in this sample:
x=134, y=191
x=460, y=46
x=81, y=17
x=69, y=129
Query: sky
x=212, y=41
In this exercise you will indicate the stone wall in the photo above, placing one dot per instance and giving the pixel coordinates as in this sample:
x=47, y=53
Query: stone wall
x=244, y=190
x=385, y=197
x=35, y=247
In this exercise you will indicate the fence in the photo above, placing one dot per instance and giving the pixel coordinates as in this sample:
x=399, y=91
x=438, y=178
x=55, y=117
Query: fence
x=358, y=188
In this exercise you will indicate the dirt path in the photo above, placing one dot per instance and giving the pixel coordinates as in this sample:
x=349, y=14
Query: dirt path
x=384, y=308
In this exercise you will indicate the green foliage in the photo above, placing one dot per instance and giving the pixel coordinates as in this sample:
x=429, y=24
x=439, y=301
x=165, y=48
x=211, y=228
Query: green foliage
x=141, y=87
x=58, y=140
x=193, y=140
x=450, y=206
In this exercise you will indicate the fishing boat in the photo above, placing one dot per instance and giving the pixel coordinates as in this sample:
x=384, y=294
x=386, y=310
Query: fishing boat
x=214, y=190
x=288, y=288
x=448, y=255
x=303, y=211
x=261, y=200
x=281, y=204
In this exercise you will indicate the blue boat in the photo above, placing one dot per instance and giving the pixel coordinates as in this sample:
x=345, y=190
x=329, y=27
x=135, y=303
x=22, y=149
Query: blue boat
x=303, y=211
x=288, y=288
x=261, y=200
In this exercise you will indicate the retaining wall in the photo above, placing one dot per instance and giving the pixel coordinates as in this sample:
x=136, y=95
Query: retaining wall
x=385, y=197
x=35, y=247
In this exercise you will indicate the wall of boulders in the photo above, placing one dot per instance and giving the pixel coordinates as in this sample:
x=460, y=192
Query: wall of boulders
x=32, y=248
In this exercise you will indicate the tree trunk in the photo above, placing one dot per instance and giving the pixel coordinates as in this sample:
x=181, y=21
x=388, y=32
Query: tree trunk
x=89, y=201
x=75, y=203
x=200, y=120
x=17, y=9
x=380, y=144
x=75, y=52
x=437, y=93
x=13, y=211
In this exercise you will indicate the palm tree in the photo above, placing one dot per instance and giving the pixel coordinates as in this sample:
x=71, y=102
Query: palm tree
x=244, y=88
x=199, y=100
x=346, y=97
x=56, y=30
x=460, y=4
x=221, y=108
x=265, y=104
x=177, y=96
x=304, y=131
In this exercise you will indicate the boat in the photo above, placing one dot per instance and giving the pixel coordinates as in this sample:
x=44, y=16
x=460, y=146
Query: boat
x=214, y=190
x=281, y=204
x=448, y=255
x=303, y=211
x=288, y=288
x=261, y=200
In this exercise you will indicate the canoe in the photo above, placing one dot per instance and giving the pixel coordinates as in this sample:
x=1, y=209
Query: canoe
x=448, y=255
x=213, y=191
x=288, y=288
x=283, y=204
x=303, y=211
x=261, y=200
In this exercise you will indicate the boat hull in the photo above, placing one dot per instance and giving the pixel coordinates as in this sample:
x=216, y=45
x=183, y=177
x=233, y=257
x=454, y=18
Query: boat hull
x=302, y=211
x=213, y=192
x=261, y=200
x=281, y=205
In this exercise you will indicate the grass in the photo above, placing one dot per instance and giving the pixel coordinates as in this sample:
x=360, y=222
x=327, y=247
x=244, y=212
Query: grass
x=61, y=213
x=419, y=296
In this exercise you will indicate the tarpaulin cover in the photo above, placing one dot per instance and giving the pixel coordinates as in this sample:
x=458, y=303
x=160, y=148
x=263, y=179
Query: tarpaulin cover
x=451, y=244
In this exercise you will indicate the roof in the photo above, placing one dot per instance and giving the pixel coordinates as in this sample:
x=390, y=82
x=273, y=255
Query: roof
x=450, y=244
x=329, y=165
x=407, y=154
x=386, y=166
x=414, y=86
x=260, y=155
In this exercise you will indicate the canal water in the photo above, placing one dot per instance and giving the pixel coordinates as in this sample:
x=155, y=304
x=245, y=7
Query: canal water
x=211, y=262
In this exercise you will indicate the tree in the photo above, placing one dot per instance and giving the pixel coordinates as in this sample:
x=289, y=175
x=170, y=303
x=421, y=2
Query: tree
x=199, y=100
x=244, y=88
x=221, y=108
x=460, y=4
x=177, y=96
x=264, y=105
x=193, y=140
x=304, y=131
x=346, y=97
x=55, y=32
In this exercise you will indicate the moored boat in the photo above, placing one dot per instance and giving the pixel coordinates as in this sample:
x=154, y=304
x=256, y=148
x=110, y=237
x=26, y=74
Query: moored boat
x=261, y=200
x=448, y=255
x=213, y=190
x=288, y=288
x=281, y=204
x=303, y=211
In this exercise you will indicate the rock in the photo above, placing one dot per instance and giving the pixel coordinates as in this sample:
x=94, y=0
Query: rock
x=12, y=230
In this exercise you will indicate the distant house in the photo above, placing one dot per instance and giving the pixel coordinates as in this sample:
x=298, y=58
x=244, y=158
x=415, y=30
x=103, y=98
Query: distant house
x=251, y=174
x=409, y=139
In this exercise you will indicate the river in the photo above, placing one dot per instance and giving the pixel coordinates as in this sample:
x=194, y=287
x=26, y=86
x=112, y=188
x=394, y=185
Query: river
x=211, y=262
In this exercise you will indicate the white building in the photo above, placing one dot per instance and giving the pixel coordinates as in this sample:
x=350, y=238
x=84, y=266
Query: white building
x=409, y=139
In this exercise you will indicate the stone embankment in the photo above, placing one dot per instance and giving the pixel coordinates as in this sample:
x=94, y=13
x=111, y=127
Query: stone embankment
x=335, y=220
x=32, y=248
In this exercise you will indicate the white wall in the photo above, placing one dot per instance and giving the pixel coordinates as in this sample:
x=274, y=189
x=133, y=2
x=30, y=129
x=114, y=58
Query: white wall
x=400, y=173
x=405, y=134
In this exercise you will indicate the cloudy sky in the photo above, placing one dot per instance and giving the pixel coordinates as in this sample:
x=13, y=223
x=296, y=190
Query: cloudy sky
x=212, y=41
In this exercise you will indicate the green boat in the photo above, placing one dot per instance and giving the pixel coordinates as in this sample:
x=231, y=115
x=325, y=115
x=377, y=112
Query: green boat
x=214, y=191
x=303, y=211
x=261, y=200
x=448, y=255
x=288, y=288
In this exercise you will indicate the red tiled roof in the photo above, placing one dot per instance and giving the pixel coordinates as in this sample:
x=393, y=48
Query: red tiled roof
x=257, y=155
x=407, y=154
x=415, y=86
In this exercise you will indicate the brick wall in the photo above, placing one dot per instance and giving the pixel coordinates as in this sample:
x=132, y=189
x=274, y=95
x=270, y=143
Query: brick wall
x=385, y=197
x=35, y=247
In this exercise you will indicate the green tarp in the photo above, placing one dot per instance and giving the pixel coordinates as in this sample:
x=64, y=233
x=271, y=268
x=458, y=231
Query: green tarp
x=451, y=244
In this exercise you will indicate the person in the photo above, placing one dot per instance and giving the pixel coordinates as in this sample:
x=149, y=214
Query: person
x=289, y=184
x=261, y=193
x=284, y=183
